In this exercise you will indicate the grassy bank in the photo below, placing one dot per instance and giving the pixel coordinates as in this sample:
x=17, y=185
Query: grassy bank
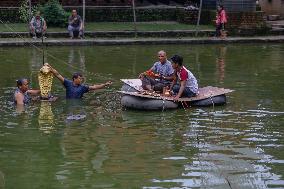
x=112, y=26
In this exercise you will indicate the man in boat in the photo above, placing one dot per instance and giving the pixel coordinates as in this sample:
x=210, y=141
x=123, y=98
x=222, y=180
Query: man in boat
x=159, y=76
x=187, y=86
x=38, y=26
x=22, y=94
x=75, y=89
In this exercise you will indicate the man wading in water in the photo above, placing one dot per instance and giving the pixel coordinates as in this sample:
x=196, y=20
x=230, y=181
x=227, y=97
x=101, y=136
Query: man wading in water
x=75, y=89
x=22, y=94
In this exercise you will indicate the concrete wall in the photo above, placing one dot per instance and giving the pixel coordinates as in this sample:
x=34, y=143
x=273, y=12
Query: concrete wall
x=239, y=5
x=209, y=4
x=272, y=7
x=16, y=3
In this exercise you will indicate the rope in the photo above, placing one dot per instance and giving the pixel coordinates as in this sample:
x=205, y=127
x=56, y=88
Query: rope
x=163, y=104
x=128, y=89
x=29, y=43
x=42, y=48
x=182, y=105
x=212, y=101
x=186, y=105
x=50, y=55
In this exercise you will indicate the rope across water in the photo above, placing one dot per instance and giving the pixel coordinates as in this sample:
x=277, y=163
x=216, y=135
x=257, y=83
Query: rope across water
x=41, y=50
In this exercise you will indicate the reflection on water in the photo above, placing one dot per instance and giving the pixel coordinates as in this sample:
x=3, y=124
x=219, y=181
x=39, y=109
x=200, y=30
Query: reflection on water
x=2, y=180
x=220, y=63
x=46, y=117
x=226, y=155
x=76, y=60
x=239, y=145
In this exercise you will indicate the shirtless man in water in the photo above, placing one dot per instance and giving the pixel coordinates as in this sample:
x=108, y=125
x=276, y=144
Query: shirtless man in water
x=22, y=94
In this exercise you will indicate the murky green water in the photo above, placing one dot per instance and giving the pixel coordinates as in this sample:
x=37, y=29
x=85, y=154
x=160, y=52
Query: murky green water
x=239, y=145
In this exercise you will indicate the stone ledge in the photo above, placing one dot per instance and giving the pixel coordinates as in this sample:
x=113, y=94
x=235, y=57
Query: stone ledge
x=113, y=34
x=141, y=41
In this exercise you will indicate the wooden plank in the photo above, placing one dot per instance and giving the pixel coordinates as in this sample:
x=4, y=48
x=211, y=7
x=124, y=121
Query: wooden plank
x=135, y=83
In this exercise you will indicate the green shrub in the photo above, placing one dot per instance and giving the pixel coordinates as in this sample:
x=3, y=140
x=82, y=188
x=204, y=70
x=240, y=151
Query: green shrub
x=10, y=15
x=126, y=14
x=54, y=14
x=190, y=17
x=24, y=11
x=155, y=14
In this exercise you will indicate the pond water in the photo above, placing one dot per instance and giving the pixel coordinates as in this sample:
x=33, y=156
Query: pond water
x=239, y=145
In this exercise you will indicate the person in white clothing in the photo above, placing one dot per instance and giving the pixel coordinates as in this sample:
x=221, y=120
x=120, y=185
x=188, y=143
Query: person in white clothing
x=187, y=86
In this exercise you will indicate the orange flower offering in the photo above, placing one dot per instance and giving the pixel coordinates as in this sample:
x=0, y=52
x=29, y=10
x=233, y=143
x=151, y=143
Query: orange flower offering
x=167, y=93
x=150, y=73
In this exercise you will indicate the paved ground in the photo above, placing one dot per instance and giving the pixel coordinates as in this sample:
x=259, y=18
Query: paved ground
x=277, y=26
x=138, y=41
x=276, y=22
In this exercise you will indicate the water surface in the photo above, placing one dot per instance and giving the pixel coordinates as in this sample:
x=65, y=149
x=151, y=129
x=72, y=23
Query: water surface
x=239, y=145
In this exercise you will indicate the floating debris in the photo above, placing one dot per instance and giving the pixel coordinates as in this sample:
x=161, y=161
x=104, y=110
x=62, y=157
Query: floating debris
x=76, y=117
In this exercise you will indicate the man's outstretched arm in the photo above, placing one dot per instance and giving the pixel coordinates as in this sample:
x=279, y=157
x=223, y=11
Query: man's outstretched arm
x=56, y=74
x=99, y=86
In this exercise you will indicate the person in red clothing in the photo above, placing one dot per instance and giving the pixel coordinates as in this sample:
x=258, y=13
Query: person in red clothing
x=187, y=85
x=221, y=20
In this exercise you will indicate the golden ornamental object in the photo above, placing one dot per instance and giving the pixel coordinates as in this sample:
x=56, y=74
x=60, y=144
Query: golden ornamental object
x=46, y=117
x=45, y=78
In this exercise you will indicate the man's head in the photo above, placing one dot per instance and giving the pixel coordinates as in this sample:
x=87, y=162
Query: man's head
x=37, y=15
x=162, y=56
x=23, y=84
x=74, y=12
x=220, y=7
x=77, y=78
x=176, y=61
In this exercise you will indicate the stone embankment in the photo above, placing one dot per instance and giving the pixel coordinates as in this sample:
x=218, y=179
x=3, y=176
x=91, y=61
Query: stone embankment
x=137, y=41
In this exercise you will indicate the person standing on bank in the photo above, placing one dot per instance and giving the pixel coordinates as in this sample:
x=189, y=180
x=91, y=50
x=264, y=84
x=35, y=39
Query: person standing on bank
x=221, y=20
x=75, y=24
x=75, y=89
x=187, y=86
x=38, y=26
x=22, y=94
x=163, y=74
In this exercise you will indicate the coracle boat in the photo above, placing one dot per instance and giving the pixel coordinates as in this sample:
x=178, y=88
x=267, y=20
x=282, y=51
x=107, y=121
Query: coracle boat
x=134, y=97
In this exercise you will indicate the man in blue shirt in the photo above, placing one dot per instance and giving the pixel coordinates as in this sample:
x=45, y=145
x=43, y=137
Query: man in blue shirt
x=163, y=74
x=75, y=89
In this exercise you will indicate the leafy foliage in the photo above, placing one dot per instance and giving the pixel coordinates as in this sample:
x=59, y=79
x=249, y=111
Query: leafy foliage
x=126, y=14
x=54, y=14
x=24, y=11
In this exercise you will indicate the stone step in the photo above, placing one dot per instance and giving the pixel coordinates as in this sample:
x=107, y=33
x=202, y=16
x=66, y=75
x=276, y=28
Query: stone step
x=277, y=25
x=277, y=29
x=273, y=17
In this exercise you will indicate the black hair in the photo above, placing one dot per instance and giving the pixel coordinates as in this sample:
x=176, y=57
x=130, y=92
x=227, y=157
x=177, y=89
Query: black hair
x=177, y=59
x=76, y=75
x=20, y=81
x=221, y=6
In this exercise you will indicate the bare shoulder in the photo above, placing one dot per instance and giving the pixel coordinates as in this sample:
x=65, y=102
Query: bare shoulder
x=19, y=97
x=18, y=94
x=33, y=91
